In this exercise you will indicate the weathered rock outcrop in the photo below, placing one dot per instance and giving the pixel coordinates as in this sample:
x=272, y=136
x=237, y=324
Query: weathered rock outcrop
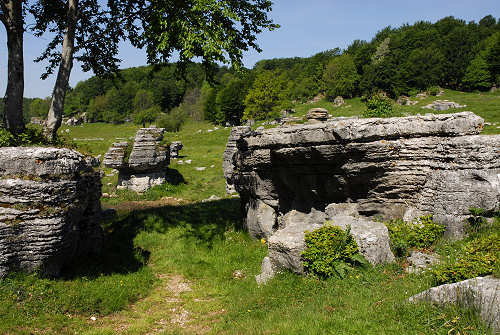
x=481, y=294
x=147, y=163
x=416, y=165
x=287, y=243
x=227, y=160
x=50, y=209
x=175, y=147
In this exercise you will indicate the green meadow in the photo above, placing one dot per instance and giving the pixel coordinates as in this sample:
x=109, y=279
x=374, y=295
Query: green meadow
x=175, y=264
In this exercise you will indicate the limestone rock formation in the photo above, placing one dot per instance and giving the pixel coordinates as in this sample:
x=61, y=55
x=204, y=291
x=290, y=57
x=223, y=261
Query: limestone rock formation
x=442, y=105
x=287, y=243
x=50, y=209
x=432, y=164
x=147, y=163
x=481, y=293
x=419, y=261
x=317, y=114
x=227, y=160
x=339, y=101
x=175, y=147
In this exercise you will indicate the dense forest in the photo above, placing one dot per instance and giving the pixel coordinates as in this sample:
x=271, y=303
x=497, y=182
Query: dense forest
x=450, y=53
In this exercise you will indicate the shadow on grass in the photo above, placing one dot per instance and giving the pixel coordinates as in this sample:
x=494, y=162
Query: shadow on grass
x=204, y=223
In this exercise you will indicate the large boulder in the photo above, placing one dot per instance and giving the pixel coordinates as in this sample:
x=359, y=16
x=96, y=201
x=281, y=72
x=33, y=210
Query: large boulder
x=481, y=294
x=432, y=164
x=227, y=159
x=146, y=166
x=50, y=209
x=287, y=244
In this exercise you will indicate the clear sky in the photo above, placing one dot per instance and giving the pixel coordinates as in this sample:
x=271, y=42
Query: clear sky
x=307, y=27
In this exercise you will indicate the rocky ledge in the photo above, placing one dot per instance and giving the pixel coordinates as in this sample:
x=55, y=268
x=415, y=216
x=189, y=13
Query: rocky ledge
x=50, y=209
x=147, y=164
x=393, y=167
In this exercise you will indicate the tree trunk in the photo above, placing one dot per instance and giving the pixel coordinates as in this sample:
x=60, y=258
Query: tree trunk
x=54, y=118
x=13, y=21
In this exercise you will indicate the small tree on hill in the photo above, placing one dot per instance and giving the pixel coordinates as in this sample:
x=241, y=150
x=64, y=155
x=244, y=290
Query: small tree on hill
x=265, y=97
x=477, y=75
x=341, y=77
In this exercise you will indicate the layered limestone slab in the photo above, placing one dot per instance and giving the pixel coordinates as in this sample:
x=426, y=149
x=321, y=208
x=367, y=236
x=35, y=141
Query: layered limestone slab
x=50, y=209
x=481, y=294
x=432, y=164
x=147, y=163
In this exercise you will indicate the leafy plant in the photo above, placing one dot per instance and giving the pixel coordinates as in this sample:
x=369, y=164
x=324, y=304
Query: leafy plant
x=379, y=105
x=477, y=221
x=331, y=251
x=172, y=121
x=434, y=90
x=420, y=234
x=479, y=257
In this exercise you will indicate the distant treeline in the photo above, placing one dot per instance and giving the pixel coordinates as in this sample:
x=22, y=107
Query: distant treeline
x=450, y=53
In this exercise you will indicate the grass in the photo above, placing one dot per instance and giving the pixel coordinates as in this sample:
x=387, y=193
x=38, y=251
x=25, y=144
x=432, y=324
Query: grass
x=169, y=259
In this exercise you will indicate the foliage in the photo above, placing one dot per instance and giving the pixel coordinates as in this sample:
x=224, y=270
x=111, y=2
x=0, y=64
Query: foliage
x=146, y=115
x=340, y=77
x=420, y=234
x=172, y=121
x=265, y=97
x=379, y=105
x=30, y=136
x=477, y=75
x=476, y=222
x=434, y=90
x=331, y=251
x=478, y=257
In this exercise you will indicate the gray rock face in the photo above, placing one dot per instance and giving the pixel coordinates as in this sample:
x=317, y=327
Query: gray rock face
x=227, y=160
x=287, y=244
x=442, y=105
x=339, y=101
x=481, y=293
x=147, y=164
x=372, y=238
x=175, y=147
x=317, y=114
x=432, y=164
x=419, y=262
x=50, y=210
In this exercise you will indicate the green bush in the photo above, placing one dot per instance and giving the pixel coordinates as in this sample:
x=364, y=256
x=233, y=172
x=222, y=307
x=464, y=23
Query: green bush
x=379, y=105
x=30, y=136
x=434, y=90
x=331, y=251
x=405, y=235
x=476, y=222
x=172, y=121
x=479, y=257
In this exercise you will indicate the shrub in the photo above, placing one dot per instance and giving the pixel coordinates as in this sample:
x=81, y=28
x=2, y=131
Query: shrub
x=30, y=136
x=434, y=90
x=6, y=138
x=379, y=105
x=405, y=235
x=331, y=251
x=477, y=221
x=479, y=257
x=172, y=121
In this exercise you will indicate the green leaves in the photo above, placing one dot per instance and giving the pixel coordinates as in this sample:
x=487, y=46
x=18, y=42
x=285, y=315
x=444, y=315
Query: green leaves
x=331, y=251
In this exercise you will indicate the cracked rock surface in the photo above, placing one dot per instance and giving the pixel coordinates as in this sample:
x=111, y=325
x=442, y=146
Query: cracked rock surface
x=50, y=209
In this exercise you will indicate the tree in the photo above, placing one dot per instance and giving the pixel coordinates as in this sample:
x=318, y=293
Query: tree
x=40, y=107
x=11, y=15
x=143, y=100
x=147, y=115
x=341, y=77
x=265, y=97
x=215, y=30
x=477, y=75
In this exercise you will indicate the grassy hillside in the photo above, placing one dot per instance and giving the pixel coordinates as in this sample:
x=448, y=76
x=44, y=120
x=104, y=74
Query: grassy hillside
x=169, y=262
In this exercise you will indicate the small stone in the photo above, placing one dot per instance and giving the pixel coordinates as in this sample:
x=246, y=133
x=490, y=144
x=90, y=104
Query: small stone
x=180, y=162
x=209, y=130
x=201, y=168
x=212, y=166
x=238, y=274
x=189, y=161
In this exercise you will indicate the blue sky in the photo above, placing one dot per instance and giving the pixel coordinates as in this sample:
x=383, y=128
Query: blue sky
x=307, y=27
